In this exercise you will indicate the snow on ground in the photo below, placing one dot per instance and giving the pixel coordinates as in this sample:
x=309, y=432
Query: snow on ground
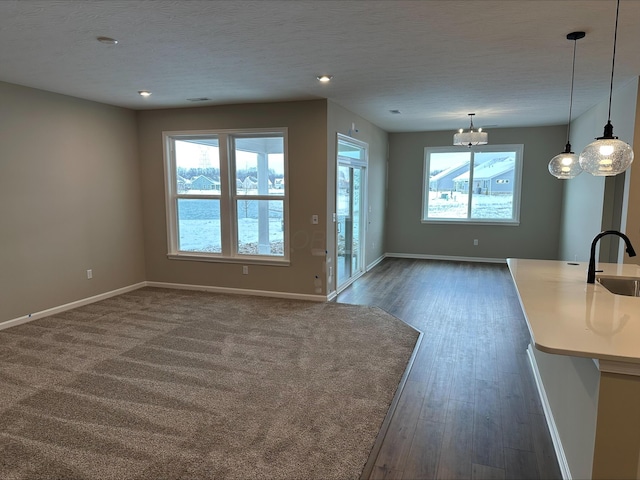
x=446, y=205
x=204, y=236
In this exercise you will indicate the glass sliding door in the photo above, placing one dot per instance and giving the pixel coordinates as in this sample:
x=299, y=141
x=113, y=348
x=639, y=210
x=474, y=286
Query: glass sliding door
x=350, y=231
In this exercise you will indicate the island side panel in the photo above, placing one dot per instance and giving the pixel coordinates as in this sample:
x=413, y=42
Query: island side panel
x=617, y=449
x=570, y=385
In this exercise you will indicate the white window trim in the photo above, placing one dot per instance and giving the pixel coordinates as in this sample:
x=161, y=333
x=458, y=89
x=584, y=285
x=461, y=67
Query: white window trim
x=514, y=221
x=226, y=196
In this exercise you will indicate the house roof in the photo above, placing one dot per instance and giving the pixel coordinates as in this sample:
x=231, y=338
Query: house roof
x=204, y=178
x=489, y=169
x=434, y=61
x=448, y=171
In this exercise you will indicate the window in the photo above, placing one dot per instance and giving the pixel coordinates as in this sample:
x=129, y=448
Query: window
x=481, y=185
x=226, y=195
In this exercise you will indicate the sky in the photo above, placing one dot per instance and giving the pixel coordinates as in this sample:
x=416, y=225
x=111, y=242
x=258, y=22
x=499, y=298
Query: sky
x=444, y=160
x=194, y=155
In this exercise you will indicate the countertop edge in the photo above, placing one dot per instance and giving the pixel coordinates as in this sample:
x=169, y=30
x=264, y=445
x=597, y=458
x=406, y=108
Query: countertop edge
x=543, y=285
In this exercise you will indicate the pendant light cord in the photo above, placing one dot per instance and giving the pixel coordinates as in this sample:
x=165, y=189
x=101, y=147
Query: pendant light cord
x=613, y=61
x=573, y=70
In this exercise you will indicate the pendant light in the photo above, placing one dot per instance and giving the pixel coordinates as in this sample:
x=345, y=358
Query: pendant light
x=607, y=156
x=470, y=138
x=566, y=165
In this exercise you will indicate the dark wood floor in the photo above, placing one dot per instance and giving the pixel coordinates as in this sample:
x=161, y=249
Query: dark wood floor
x=470, y=409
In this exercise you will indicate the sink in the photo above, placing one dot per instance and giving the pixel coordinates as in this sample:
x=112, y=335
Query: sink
x=629, y=286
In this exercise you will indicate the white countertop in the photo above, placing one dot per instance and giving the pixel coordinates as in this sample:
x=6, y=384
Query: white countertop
x=567, y=316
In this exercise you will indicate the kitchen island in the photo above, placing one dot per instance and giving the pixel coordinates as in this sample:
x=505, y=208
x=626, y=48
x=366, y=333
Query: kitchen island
x=585, y=354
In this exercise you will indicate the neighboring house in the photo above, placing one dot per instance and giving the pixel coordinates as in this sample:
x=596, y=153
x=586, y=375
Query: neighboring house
x=278, y=183
x=183, y=184
x=249, y=183
x=443, y=181
x=203, y=182
x=493, y=177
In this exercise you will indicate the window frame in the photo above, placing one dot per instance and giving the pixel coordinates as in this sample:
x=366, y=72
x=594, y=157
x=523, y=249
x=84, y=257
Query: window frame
x=517, y=185
x=226, y=195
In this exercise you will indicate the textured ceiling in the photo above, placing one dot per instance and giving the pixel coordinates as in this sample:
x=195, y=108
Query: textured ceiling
x=506, y=60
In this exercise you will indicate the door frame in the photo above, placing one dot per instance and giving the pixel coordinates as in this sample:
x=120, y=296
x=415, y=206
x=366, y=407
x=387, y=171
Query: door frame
x=364, y=187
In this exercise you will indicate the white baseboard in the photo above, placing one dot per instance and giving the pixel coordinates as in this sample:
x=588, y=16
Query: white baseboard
x=69, y=306
x=376, y=261
x=421, y=256
x=551, y=423
x=103, y=296
x=240, y=291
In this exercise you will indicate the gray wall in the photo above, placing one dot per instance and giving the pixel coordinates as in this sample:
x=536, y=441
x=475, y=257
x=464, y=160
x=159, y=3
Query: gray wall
x=69, y=200
x=340, y=121
x=537, y=236
x=592, y=204
x=307, y=190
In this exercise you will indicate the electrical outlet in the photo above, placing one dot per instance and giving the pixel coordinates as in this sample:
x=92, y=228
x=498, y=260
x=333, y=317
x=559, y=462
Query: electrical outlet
x=245, y=270
x=89, y=274
x=475, y=242
x=314, y=219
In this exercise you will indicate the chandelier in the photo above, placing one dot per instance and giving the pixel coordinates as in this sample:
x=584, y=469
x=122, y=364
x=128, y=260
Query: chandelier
x=470, y=138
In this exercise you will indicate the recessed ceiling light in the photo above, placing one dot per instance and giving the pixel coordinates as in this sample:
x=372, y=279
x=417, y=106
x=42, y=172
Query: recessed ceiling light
x=324, y=78
x=198, y=99
x=395, y=112
x=107, y=40
x=144, y=93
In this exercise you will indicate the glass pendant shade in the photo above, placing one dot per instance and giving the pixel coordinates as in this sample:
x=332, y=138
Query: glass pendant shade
x=606, y=157
x=565, y=166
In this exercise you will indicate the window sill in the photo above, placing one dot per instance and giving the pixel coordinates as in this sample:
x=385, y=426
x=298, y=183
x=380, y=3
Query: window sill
x=247, y=260
x=508, y=223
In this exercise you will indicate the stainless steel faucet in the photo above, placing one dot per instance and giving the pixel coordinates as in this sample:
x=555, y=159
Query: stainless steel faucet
x=591, y=273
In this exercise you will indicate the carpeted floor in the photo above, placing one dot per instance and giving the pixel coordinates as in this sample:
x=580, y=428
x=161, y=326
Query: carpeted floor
x=168, y=384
